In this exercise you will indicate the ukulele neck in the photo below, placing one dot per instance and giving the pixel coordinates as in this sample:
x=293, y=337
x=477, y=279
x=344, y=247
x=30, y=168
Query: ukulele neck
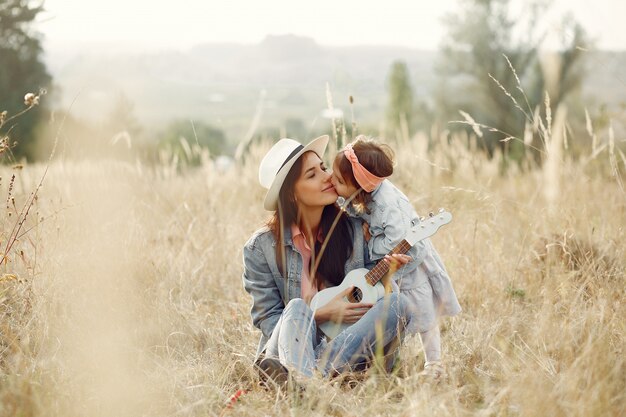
x=382, y=267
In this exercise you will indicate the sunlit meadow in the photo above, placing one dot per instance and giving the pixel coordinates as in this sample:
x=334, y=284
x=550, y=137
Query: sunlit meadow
x=121, y=293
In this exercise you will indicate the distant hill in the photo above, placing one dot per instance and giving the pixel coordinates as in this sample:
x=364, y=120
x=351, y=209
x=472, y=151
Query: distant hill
x=221, y=84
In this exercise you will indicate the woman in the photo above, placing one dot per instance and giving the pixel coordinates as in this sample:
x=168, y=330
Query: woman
x=282, y=271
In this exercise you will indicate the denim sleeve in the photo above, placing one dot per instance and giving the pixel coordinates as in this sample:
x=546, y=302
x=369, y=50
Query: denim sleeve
x=394, y=224
x=258, y=281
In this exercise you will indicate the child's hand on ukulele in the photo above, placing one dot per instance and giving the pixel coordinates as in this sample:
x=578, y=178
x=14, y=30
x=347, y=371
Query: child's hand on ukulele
x=395, y=261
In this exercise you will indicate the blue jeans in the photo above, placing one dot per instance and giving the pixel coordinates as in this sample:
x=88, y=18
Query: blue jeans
x=296, y=342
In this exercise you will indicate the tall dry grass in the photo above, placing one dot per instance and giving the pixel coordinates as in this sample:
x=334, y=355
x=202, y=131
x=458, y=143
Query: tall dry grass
x=125, y=296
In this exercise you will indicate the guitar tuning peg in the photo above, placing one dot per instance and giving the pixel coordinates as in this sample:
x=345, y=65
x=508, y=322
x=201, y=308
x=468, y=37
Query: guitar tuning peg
x=431, y=214
x=422, y=218
x=441, y=210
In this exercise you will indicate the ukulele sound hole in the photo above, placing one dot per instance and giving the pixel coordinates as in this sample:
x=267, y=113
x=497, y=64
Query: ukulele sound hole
x=356, y=295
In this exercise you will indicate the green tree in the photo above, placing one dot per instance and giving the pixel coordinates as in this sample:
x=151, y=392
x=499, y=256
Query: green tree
x=182, y=136
x=295, y=128
x=22, y=70
x=482, y=58
x=122, y=119
x=400, y=106
x=561, y=73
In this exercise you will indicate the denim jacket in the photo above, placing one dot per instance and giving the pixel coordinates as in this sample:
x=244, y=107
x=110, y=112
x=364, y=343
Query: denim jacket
x=390, y=216
x=271, y=291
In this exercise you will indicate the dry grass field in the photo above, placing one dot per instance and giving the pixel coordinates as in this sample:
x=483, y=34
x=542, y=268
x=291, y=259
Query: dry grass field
x=122, y=295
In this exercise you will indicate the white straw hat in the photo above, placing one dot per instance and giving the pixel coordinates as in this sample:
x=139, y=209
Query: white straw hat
x=278, y=161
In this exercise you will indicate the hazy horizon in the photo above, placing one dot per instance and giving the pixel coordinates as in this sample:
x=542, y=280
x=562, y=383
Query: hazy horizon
x=349, y=23
x=99, y=51
x=139, y=46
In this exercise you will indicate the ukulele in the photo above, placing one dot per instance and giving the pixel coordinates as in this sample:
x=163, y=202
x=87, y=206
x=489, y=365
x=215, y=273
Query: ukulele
x=367, y=284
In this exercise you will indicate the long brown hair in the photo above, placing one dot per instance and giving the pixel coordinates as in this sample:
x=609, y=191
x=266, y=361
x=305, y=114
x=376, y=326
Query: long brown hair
x=330, y=269
x=376, y=157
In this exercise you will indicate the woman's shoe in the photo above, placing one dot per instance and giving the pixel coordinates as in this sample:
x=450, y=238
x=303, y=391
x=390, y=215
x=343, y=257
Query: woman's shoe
x=273, y=372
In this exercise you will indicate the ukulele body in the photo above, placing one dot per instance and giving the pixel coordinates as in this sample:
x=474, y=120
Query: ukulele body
x=363, y=292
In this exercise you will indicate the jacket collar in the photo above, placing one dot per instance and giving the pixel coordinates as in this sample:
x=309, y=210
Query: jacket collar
x=375, y=190
x=287, y=238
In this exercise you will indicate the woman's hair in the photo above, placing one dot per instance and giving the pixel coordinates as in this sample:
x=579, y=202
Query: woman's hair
x=376, y=157
x=331, y=267
x=339, y=247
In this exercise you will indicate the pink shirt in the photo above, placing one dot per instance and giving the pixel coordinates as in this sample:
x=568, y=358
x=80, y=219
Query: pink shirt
x=308, y=287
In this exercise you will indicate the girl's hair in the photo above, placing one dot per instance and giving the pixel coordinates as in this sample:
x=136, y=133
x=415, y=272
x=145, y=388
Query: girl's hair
x=376, y=157
x=340, y=241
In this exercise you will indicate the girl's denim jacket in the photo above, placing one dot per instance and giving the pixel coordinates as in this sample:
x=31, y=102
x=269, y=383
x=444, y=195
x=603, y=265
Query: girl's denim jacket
x=390, y=216
x=424, y=280
x=270, y=291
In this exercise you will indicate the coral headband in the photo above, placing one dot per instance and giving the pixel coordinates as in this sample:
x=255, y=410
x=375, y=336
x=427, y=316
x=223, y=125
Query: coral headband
x=366, y=179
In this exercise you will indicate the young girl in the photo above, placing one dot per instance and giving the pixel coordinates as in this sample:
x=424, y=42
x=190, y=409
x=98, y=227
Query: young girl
x=359, y=176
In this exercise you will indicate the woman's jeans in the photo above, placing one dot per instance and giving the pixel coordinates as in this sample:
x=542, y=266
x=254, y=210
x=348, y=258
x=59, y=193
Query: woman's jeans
x=298, y=345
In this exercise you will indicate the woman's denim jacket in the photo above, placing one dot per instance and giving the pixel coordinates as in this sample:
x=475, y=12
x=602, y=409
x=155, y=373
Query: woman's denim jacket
x=270, y=291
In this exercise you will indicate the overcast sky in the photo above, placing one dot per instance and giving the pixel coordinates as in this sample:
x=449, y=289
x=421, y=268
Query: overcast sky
x=183, y=23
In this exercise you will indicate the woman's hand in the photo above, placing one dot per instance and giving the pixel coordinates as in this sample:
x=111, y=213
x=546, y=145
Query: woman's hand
x=342, y=311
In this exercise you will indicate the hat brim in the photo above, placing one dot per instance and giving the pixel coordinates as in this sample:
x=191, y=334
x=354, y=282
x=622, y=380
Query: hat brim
x=317, y=145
